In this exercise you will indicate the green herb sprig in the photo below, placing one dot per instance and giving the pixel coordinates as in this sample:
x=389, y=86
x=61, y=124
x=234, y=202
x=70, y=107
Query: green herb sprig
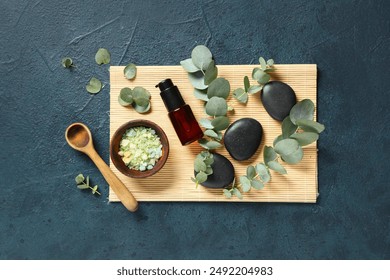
x=214, y=91
x=261, y=75
x=298, y=129
x=83, y=183
x=138, y=97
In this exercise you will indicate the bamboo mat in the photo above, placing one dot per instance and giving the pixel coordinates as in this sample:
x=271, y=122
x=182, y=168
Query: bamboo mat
x=173, y=183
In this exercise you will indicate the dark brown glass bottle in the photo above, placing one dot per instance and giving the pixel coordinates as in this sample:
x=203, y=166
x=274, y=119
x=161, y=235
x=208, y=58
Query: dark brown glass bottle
x=180, y=114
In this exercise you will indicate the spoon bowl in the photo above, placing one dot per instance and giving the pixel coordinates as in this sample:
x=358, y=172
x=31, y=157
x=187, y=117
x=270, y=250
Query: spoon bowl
x=79, y=137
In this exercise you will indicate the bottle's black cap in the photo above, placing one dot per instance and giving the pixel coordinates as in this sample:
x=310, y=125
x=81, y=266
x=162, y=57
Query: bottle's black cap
x=170, y=94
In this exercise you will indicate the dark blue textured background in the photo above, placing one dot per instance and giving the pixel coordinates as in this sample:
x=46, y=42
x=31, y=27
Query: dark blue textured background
x=44, y=216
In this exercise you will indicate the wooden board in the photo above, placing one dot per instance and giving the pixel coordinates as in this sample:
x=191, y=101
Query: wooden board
x=173, y=182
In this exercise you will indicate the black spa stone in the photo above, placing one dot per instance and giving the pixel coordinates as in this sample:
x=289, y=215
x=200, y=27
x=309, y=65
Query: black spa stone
x=278, y=98
x=243, y=137
x=223, y=173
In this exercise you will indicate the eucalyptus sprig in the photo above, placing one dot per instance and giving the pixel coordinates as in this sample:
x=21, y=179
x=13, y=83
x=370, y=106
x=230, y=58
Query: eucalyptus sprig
x=138, y=97
x=214, y=91
x=83, y=183
x=298, y=129
x=261, y=75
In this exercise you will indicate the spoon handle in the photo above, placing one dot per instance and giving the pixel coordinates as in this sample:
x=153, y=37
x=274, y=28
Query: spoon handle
x=119, y=188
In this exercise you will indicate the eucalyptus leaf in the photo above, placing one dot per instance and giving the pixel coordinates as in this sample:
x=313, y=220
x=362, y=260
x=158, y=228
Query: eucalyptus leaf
x=256, y=184
x=254, y=72
x=209, y=161
x=197, y=80
x=305, y=138
x=276, y=166
x=220, y=123
x=227, y=193
x=130, y=71
x=87, y=181
x=250, y=172
x=245, y=184
x=199, y=165
x=209, y=145
x=208, y=171
x=126, y=94
x=79, y=179
x=237, y=193
x=287, y=147
x=67, y=62
x=269, y=154
x=102, y=56
x=310, y=126
x=211, y=73
x=288, y=128
x=141, y=109
x=269, y=70
x=220, y=87
x=254, y=89
x=189, y=66
x=210, y=133
x=201, y=177
x=123, y=103
x=201, y=94
x=94, y=189
x=270, y=62
x=263, y=172
x=303, y=110
x=246, y=83
x=263, y=63
x=264, y=78
x=240, y=95
x=277, y=139
x=216, y=106
x=201, y=57
x=141, y=96
x=295, y=157
x=83, y=187
x=206, y=123
x=94, y=86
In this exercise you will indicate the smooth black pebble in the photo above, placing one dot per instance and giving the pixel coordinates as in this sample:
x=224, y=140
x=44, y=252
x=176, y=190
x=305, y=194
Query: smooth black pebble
x=223, y=173
x=243, y=137
x=278, y=98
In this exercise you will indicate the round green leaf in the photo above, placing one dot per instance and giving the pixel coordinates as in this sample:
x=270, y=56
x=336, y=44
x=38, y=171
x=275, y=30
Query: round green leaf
x=94, y=86
x=67, y=62
x=141, y=109
x=287, y=147
x=123, y=103
x=141, y=96
x=206, y=123
x=209, y=145
x=310, y=126
x=201, y=177
x=240, y=95
x=263, y=63
x=197, y=80
x=211, y=73
x=303, y=110
x=294, y=157
x=220, y=123
x=227, y=193
x=237, y=193
x=245, y=184
x=288, y=127
x=201, y=94
x=256, y=184
x=216, y=106
x=130, y=71
x=305, y=138
x=201, y=57
x=189, y=66
x=269, y=154
x=254, y=89
x=254, y=72
x=263, y=172
x=102, y=56
x=210, y=133
x=83, y=186
x=79, y=179
x=220, y=87
x=199, y=165
x=126, y=94
x=270, y=62
x=276, y=166
x=250, y=172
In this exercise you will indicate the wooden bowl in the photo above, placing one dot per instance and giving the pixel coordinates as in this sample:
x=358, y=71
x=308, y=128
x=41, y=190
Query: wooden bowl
x=117, y=159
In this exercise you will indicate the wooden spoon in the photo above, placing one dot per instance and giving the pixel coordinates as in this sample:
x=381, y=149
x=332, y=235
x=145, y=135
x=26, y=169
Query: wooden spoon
x=79, y=137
